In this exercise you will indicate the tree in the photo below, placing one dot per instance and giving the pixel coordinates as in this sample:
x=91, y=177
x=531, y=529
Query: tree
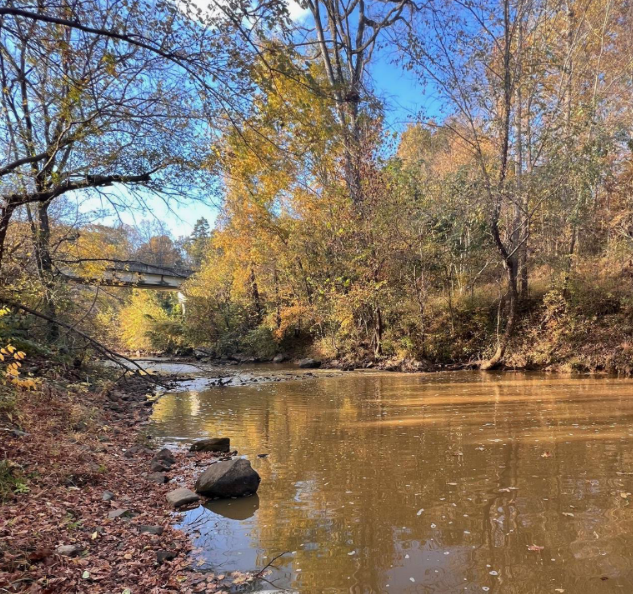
x=96, y=95
x=347, y=34
x=197, y=244
x=100, y=99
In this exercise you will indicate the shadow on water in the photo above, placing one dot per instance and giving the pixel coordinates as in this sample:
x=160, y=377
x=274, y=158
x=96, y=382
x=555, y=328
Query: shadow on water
x=235, y=509
x=457, y=482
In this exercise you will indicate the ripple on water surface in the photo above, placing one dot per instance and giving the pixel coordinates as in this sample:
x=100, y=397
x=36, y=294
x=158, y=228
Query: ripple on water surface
x=508, y=483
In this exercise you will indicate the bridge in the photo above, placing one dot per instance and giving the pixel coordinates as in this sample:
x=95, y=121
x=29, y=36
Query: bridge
x=126, y=273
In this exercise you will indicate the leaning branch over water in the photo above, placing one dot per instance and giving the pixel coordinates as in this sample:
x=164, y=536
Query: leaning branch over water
x=101, y=348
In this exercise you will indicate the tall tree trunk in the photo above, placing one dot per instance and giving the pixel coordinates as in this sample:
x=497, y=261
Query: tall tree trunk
x=509, y=252
x=44, y=261
x=570, y=260
x=522, y=199
x=5, y=218
x=277, y=300
x=512, y=298
x=255, y=296
x=378, y=330
x=523, y=266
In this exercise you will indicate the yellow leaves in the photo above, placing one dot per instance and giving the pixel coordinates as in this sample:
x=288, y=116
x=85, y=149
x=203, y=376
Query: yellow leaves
x=109, y=60
x=11, y=371
x=27, y=384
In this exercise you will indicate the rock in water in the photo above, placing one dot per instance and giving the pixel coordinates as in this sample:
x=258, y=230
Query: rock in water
x=181, y=497
x=235, y=478
x=309, y=364
x=280, y=358
x=213, y=444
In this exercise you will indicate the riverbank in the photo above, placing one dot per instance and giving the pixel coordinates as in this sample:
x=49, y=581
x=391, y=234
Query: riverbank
x=587, y=328
x=82, y=510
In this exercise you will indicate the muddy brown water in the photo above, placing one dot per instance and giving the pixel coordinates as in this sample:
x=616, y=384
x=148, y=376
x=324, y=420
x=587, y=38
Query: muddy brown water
x=439, y=483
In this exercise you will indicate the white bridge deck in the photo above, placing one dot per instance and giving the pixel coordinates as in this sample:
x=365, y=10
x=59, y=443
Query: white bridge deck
x=132, y=274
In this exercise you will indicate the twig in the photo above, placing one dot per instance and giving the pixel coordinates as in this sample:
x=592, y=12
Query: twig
x=104, y=350
x=263, y=579
x=260, y=573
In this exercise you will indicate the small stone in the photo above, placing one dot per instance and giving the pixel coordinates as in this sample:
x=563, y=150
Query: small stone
x=107, y=496
x=123, y=514
x=162, y=556
x=134, y=450
x=159, y=478
x=213, y=444
x=68, y=550
x=159, y=465
x=157, y=530
x=182, y=496
x=165, y=454
x=309, y=364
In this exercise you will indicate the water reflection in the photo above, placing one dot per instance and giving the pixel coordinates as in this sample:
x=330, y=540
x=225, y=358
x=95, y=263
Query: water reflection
x=235, y=509
x=506, y=483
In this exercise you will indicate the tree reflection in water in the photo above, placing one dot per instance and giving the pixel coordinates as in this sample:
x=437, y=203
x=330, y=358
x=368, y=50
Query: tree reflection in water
x=497, y=463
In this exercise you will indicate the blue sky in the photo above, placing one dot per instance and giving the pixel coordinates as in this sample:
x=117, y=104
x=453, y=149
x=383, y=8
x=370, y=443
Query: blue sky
x=404, y=100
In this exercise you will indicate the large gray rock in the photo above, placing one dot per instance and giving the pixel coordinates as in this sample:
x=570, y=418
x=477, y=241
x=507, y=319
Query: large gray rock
x=309, y=364
x=213, y=444
x=182, y=496
x=280, y=358
x=235, y=478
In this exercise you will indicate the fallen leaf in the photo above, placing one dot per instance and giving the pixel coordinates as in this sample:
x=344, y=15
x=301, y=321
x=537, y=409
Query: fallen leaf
x=534, y=547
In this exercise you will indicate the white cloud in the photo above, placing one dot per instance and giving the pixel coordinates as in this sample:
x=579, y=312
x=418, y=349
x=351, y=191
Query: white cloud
x=297, y=12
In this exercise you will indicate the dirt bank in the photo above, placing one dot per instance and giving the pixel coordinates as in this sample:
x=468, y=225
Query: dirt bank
x=80, y=510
